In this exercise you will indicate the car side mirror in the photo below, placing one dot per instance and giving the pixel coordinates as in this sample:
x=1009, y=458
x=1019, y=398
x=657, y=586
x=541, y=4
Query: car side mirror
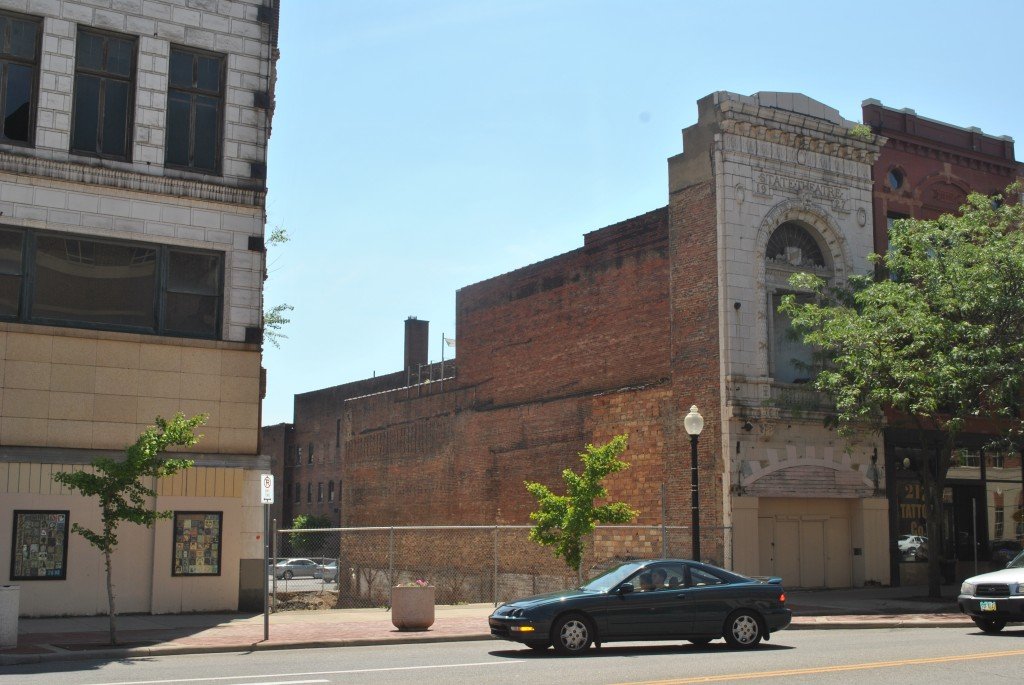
x=625, y=588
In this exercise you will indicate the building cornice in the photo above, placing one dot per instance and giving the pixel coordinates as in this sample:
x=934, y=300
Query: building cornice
x=828, y=139
x=128, y=179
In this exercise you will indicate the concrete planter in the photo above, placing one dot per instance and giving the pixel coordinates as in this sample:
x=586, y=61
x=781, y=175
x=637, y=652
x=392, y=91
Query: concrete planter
x=412, y=608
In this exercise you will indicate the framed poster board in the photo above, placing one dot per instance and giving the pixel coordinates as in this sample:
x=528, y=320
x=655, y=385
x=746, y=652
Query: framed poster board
x=39, y=545
x=197, y=543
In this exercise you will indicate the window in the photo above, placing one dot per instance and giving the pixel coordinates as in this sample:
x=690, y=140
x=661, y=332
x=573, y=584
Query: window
x=309, y=492
x=320, y=492
x=194, y=102
x=791, y=249
x=298, y=455
x=104, y=86
x=19, y=64
x=59, y=279
x=330, y=491
x=309, y=456
x=298, y=492
x=337, y=433
x=895, y=179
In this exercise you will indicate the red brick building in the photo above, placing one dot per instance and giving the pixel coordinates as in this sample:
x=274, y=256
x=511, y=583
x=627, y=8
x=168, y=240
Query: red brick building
x=651, y=315
x=925, y=169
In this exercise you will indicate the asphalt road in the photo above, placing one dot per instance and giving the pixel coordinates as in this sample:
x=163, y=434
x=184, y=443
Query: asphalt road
x=905, y=656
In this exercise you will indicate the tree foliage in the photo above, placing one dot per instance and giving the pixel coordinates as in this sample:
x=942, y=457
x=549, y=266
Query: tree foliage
x=936, y=343
x=563, y=521
x=306, y=544
x=122, y=495
x=275, y=318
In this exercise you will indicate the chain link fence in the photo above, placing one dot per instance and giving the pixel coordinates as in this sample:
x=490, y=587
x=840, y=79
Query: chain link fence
x=357, y=567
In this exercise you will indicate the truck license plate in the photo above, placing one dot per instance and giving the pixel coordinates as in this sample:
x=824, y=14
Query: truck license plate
x=988, y=606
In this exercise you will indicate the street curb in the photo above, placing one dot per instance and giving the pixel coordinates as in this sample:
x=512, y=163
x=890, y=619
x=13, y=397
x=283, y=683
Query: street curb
x=171, y=650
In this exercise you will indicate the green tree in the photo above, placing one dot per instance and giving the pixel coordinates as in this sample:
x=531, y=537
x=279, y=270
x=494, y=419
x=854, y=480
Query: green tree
x=309, y=543
x=937, y=342
x=563, y=521
x=123, y=497
x=275, y=318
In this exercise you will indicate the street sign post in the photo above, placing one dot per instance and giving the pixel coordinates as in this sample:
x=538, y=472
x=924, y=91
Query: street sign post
x=267, y=498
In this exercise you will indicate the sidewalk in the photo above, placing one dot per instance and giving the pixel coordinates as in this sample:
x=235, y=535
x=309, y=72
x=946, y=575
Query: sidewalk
x=61, y=639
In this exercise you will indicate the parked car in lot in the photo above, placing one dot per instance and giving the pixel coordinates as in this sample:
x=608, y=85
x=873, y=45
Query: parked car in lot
x=329, y=571
x=662, y=599
x=994, y=599
x=297, y=568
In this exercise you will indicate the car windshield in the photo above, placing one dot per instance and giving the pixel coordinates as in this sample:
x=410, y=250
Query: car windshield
x=606, y=581
x=1017, y=562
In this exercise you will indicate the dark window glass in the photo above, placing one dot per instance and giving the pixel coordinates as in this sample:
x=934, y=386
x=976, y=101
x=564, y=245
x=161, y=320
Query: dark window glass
x=309, y=492
x=195, y=108
x=19, y=60
x=109, y=284
x=94, y=283
x=192, y=301
x=87, y=107
x=18, y=102
x=104, y=83
x=179, y=112
x=11, y=243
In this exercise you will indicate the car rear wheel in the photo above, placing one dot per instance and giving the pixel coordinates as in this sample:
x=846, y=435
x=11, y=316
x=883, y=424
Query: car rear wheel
x=990, y=625
x=743, y=630
x=287, y=575
x=572, y=635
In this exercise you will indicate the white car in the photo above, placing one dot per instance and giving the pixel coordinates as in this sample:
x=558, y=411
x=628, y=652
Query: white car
x=994, y=599
x=908, y=543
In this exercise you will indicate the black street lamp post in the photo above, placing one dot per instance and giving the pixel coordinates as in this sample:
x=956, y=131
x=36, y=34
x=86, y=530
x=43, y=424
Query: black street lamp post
x=694, y=424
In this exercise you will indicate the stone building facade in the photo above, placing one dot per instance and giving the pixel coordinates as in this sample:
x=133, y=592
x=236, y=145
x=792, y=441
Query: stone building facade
x=651, y=315
x=132, y=194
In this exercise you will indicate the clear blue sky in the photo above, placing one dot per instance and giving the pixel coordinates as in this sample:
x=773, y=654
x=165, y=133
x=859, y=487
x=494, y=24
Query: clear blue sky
x=420, y=146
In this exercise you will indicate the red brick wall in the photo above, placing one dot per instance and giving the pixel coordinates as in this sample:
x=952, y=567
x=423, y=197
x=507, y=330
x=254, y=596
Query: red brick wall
x=940, y=164
x=591, y=319
x=695, y=360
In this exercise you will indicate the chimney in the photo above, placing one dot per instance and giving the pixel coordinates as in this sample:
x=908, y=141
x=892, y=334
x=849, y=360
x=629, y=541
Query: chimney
x=417, y=335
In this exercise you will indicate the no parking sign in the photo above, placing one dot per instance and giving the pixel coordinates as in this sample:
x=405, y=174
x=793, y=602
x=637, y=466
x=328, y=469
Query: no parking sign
x=267, y=488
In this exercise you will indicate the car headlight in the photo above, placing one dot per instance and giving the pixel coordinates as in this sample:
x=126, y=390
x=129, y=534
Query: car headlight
x=968, y=589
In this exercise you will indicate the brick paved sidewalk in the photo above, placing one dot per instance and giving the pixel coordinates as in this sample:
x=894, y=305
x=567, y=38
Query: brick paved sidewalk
x=84, y=638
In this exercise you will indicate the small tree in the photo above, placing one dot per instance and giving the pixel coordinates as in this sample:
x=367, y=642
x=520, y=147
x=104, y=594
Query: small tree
x=309, y=544
x=122, y=495
x=275, y=318
x=564, y=520
x=937, y=344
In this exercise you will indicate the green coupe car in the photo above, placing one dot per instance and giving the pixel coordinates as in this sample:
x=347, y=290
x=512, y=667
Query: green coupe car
x=664, y=599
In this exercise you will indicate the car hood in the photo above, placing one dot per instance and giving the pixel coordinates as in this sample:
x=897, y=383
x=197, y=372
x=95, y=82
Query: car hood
x=551, y=597
x=1006, y=575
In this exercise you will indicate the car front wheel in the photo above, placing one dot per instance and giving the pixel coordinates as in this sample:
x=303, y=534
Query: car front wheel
x=743, y=630
x=571, y=635
x=990, y=625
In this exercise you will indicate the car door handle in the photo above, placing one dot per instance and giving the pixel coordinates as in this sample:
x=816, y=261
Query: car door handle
x=681, y=596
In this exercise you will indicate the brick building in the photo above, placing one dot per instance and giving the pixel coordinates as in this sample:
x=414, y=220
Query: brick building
x=132, y=191
x=927, y=168
x=651, y=315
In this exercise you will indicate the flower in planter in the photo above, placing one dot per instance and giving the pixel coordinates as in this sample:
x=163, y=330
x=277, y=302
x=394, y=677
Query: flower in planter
x=419, y=582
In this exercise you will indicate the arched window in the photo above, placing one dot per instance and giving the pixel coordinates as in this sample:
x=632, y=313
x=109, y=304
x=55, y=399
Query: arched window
x=792, y=248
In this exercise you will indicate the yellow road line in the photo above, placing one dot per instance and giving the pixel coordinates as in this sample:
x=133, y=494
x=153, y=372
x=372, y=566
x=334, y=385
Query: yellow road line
x=830, y=669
